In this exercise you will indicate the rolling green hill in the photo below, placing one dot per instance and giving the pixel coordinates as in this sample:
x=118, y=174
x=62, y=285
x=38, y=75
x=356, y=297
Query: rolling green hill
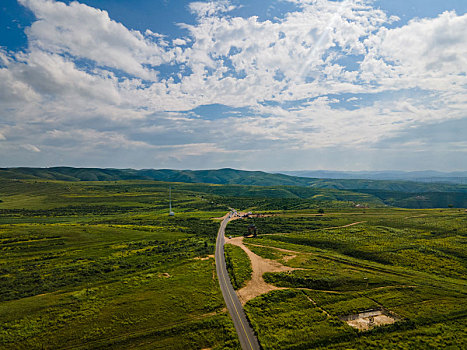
x=222, y=177
x=258, y=184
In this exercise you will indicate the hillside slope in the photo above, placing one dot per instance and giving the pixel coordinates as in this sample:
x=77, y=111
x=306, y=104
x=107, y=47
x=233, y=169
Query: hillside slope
x=222, y=177
x=407, y=194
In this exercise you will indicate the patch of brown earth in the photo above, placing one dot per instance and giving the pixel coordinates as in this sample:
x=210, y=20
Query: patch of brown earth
x=257, y=286
x=205, y=258
x=289, y=257
x=368, y=320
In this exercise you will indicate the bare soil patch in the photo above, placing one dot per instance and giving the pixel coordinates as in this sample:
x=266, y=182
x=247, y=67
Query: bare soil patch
x=367, y=320
x=257, y=286
x=289, y=257
x=205, y=258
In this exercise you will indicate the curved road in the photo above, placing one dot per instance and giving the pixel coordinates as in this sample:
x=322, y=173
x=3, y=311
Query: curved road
x=245, y=333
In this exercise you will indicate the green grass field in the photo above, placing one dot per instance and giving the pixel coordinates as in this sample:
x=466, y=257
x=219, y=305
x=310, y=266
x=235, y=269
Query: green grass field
x=90, y=265
x=410, y=262
x=238, y=265
x=93, y=265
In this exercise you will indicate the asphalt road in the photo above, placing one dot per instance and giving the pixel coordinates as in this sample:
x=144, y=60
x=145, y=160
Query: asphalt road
x=245, y=333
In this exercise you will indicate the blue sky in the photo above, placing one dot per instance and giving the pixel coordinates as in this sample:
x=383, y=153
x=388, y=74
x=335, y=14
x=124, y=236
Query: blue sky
x=263, y=85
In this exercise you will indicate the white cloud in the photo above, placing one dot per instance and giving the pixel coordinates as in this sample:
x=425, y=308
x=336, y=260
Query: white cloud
x=89, y=33
x=425, y=53
x=31, y=148
x=179, y=42
x=4, y=59
x=203, y=9
x=14, y=91
x=193, y=149
x=90, y=139
x=287, y=72
x=294, y=57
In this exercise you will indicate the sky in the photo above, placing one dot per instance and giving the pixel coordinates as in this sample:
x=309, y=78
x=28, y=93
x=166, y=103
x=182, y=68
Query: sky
x=255, y=85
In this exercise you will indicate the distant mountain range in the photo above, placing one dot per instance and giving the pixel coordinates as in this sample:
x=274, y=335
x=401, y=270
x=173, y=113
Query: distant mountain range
x=408, y=194
x=388, y=181
x=220, y=176
x=419, y=176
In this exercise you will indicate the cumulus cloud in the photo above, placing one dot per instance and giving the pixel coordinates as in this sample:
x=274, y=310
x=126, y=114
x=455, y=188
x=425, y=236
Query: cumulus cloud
x=428, y=53
x=86, y=32
x=203, y=9
x=13, y=91
x=295, y=76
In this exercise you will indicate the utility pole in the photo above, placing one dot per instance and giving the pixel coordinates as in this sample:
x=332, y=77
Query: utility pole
x=171, y=213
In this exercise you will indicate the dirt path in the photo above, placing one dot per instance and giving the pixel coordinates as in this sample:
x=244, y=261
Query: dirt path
x=415, y=216
x=348, y=225
x=257, y=286
x=316, y=305
x=323, y=228
x=279, y=249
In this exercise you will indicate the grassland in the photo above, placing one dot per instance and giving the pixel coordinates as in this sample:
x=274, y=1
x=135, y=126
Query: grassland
x=100, y=264
x=409, y=262
x=238, y=265
x=94, y=265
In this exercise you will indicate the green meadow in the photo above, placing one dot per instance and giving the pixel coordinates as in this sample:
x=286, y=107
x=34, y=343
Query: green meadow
x=238, y=265
x=411, y=263
x=100, y=264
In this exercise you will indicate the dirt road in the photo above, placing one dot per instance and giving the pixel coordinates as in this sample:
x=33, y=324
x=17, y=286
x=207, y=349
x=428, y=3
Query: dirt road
x=257, y=286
